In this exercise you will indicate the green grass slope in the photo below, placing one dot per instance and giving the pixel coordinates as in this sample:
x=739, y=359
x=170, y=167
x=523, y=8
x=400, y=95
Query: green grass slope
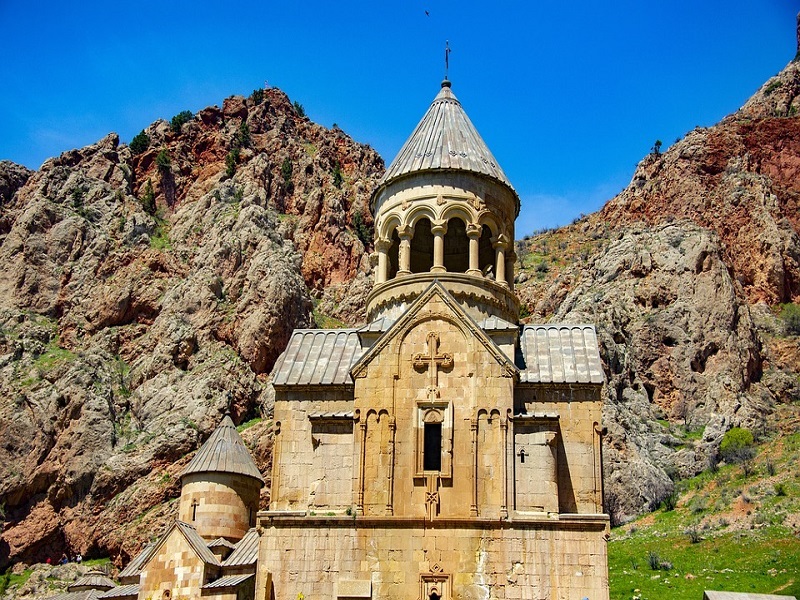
x=736, y=528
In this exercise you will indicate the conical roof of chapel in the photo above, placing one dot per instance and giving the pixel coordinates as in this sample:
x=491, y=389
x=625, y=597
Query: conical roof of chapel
x=445, y=139
x=224, y=452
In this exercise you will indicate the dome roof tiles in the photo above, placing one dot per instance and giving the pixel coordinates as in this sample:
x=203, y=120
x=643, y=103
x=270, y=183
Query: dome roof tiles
x=224, y=452
x=445, y=138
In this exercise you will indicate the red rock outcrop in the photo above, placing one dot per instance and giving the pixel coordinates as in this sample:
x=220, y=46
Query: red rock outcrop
x=141, y=295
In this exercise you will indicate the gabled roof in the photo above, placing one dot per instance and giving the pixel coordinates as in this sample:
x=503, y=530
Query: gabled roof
x=318, y=357
x=221, y=542
x=82, y=595
x=224, y=452
x=92, y=580
x=228, y=581
x=246, y=551
x=445, y=139
x=495, y=323
x=560, y=353
x=134, y=568
x=434, y=289
x=197, y=543
x=122, y=591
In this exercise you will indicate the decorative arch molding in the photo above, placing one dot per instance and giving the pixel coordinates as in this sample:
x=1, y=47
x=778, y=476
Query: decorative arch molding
x=459, y=211
x=420, y=212
x=387, y=226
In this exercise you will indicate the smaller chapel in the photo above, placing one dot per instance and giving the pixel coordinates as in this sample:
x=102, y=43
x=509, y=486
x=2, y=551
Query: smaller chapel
x=210, y=551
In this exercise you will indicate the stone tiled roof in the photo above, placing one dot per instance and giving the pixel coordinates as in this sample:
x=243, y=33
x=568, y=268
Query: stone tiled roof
x=122, y=591
x=92, y=580
x=552, y=353
x=135, y=567
x=197, y=543
x=560, y=353
x=220, y=541
x=246, y=551
x=377, y=326
x=445, y=138
x=82, y=595
x=228, y=581
x=494, y=323
x=224, y=452
x=318, y=357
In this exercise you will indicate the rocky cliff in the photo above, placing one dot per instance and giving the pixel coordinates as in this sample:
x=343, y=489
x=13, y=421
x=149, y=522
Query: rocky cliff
x=682, y=272
x=145, y=290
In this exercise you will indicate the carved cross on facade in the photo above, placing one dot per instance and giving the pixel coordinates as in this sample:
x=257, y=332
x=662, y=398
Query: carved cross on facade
x=432, y=361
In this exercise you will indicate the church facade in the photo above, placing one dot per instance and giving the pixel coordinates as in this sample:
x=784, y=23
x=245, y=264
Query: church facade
x=442, y=451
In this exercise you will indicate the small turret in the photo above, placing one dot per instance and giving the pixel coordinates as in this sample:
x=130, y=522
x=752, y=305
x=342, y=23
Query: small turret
x=220, y=486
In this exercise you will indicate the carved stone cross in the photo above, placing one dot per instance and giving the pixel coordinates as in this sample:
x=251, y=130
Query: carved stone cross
x=432, y=361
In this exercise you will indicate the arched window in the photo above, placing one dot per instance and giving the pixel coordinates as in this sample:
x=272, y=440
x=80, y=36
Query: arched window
x=422, y=247
x=393, y=264
x=456, y=246
x=432, y=441
x=486, y=252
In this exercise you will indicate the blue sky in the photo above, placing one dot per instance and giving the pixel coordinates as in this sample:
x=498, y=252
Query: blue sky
x=569, y=96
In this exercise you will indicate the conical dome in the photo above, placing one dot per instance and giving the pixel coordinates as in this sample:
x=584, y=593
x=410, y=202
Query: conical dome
x=445, y=138
x=224, y=452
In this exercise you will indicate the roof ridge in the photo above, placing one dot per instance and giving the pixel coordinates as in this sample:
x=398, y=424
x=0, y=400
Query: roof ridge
x=224, y=452
x=445, y=139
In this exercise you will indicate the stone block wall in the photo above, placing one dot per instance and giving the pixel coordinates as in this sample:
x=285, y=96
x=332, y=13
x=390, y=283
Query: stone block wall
x=541, y=560
x=174, y=573
x=219, y=504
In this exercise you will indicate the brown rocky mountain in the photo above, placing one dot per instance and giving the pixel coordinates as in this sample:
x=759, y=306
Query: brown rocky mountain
x=682, y=273
x=125, y=332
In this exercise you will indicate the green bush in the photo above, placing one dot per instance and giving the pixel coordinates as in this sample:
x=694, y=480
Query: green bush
x=77, y=197
x=242, y=138
x=257, y=96
x=140, y=142
x=364, y=232
x=737, y=445
x=772, y=86
x=231, y=160
x=148, y=199
x=790, y=314
x=656, y=149
x=337, y=175
x=178, y=120
x=670, y=502
x=299, y=109
x=286, y=173
x=163, y=161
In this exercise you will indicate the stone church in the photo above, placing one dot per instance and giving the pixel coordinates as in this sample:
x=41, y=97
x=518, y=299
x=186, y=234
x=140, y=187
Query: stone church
x=442, y=451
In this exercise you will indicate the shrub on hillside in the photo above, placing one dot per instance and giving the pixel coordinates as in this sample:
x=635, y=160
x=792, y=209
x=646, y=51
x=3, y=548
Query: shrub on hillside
x=299, y=109
x=231, y=160
x=338, y=178
x=790, y=314
x=286, y=173
x=737, y=445
x=178, y=120
x=148, y=199
x=139, y=143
